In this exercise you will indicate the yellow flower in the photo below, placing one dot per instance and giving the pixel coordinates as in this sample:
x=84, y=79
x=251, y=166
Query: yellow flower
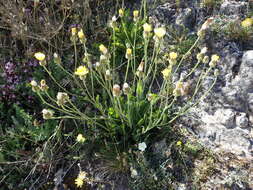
x=128, y=53
x=136, y=14
x=82, y=175
x=215, y=58
x=179, y=85
x=247, y=22
x=160, y=32
x=147, y=27
x=179, y=143
x=173, y=55
x=103, y=49
x=81, y=71
x=43, y=85
x=121, y=12
x=73, y=31
x=79, y=182
x=166, y=73
x=80, y=138
x=40, y=56
x=81, y=34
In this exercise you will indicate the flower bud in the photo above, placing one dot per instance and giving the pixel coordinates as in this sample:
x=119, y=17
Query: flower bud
x=126, y=88
x=216, y=72
x=121, y=12
x=173, y=55
x=43, y=85
x=166, y=73
x=128, y=53
x=203, y=50
x=116, y=90
x=108, y=75
x=34, y=85
x=206, y=59
x=80, y=138
x=81, y=34
x=147, y=27
x=47, y=114
x=62, y=98
x=215, y=58
x=113, y=22
x=160, y=32
x=57, y=59
x=73, y=31
x=103, y=49
x=200, y=57
x=136, y=15
x=140, y=70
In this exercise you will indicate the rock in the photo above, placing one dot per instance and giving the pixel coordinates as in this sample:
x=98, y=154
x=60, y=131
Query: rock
x=185, y=17
x=242, y=120
x=169, y=14
x=237, y=8
x=224, y=118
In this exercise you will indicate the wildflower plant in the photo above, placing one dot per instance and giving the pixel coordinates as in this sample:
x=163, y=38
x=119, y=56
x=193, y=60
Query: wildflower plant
x=126, y=93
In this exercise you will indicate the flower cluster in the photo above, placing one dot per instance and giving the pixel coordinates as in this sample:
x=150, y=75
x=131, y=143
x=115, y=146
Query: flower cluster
x=172, y=60
x=14, y=76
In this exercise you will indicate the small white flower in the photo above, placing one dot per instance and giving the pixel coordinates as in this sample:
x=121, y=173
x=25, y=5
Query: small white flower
x=142, y=146
x=134, y=172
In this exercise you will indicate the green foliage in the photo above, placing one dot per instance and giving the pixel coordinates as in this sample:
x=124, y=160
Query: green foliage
x=211, y=3
x=19, y=142
x=232, y=29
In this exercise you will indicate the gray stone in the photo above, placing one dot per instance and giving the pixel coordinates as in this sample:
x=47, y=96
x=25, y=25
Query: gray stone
x=237, y=8
x=242, y=120
x=185, y=17
x=224, y=117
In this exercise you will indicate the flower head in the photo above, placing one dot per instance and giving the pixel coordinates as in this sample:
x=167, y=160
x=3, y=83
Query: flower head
x=116, y=90
x=206, y=59
x=128, y=53
x=57, y=59
x=121, y=12
x=179, y=143
x=142, y=146
x=203, y=50
x=166, y=73
x=81, y=34
x=173, y=55
x=160, y=32
x=103, y=49
x=247, y=22
x=40, y=56
x=108, y=75
x=82, y=175
x=81, y=71
x=215, y=58
x=147, y=27
x=47, y=114
x=136, y=15
x=79, y=182
x=43, y=85
x=80, y=138
x=126, y=88
x=62, y=98
x=140, y=70
x=73, y=31
x=33, y=83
